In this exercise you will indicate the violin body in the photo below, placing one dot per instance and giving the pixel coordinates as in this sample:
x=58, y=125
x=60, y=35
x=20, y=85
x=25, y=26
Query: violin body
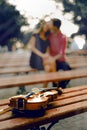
x=33, y=102
x=22, y=103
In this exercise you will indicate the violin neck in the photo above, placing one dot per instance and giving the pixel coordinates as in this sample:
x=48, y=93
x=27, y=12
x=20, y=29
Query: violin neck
x=47, y=89
x=2, y=111
x=29, y=94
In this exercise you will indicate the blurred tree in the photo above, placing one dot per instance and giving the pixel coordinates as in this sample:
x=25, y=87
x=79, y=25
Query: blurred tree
x=79, y=10
x=11, y=22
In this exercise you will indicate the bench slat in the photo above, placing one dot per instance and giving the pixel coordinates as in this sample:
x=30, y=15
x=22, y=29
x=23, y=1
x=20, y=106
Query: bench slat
x=78, y=65
x=16, y=70
x=68, y=92
x=69, y=95
x=41, y=78
x=68, y=101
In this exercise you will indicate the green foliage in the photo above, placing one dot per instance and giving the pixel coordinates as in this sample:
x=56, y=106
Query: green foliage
x=11, y=22
x=79, y=9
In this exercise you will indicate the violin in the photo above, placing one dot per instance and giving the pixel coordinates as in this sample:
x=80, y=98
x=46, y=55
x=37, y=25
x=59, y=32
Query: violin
x=33, y=101
x=36, y=100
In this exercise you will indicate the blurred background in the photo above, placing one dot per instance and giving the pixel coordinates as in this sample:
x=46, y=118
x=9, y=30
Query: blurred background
x=19, y=17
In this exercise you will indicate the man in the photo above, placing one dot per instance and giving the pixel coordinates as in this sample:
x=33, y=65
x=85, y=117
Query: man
x=58, y=45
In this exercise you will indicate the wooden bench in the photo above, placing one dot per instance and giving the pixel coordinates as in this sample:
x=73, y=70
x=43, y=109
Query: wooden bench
x=72, y=102
x=26, y=69
x=21, y=80
x=77, y=61
x=80, y=52
x=14, y=64
x=76, y=52
x=14, y=59
x=16, y=70
x=78, y=65
x=18, y=60
x=10, y=62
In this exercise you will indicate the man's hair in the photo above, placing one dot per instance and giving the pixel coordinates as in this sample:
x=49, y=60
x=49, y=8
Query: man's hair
x=56, y=22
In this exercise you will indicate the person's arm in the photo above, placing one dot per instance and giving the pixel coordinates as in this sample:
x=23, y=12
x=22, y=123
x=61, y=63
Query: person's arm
x=31, y=46
x=57, y=57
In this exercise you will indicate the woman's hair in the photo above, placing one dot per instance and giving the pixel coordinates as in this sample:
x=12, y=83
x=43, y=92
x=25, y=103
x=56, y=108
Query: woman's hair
x=56, y=22
x=39, y=26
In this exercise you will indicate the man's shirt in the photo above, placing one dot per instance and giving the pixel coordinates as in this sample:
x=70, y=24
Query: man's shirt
x=58, y=45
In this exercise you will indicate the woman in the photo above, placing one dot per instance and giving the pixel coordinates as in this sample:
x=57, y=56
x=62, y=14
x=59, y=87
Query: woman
x=39, y=45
